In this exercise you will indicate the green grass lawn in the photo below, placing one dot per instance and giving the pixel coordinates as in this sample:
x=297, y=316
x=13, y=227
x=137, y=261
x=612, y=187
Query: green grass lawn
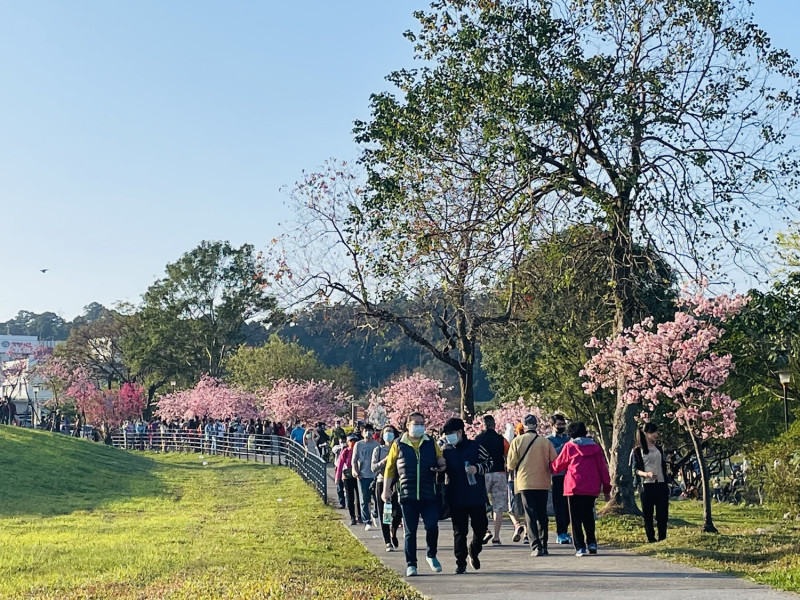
x=770, y=556
x=80, y=521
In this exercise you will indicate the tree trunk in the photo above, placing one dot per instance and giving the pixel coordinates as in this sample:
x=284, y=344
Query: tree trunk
x=622, y=495
x=467, y=389
x=708, y=523
x=623, y=498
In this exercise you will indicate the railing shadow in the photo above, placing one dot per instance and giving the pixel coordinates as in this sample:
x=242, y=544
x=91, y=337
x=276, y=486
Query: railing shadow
x=265, y=449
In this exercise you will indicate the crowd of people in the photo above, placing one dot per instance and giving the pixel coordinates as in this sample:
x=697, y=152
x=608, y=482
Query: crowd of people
x=392, y=479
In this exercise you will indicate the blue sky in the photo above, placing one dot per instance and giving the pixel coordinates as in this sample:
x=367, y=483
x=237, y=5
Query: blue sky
x=131, y=131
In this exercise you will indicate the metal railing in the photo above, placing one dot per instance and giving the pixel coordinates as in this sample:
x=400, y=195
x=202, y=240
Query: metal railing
x=272, y=449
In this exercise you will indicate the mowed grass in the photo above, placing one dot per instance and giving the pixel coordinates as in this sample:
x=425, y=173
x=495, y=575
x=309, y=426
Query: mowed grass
x=82, y=521
x=753, y=542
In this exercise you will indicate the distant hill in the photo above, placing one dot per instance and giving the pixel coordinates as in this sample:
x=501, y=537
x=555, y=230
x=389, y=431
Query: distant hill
x=46, y=473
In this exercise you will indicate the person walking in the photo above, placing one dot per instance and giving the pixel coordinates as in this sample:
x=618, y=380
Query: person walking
x=379, y=457
x=496, y=479
x=558, y=438
x=529, y=458
x=650, y=464
x=344, y=474
x=414, y=461
x=585, y=474
x=467, y=463
x=362, y=469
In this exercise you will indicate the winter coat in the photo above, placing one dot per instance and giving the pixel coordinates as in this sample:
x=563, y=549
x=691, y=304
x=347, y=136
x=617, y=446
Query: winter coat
x=587, y=471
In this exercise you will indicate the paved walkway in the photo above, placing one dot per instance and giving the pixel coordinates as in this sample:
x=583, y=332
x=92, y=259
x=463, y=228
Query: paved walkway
x=508, y=571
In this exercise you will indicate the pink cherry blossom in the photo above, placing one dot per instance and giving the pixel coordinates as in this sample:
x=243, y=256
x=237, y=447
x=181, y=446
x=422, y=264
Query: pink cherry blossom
x=673, y=362
x=416, y=393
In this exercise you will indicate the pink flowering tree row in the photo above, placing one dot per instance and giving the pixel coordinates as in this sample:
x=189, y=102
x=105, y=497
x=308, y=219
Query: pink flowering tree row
x=287, y=400
x=416, y=393
x=674, y=364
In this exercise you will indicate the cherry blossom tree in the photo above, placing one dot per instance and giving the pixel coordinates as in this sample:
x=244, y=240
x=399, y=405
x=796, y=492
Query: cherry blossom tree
x=416, y=393
x=53, y=373
x=212, y=398
x=105, y=409
x=294, y=401
x=675, y=363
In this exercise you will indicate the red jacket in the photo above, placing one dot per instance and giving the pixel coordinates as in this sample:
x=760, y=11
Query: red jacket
x=587, y=471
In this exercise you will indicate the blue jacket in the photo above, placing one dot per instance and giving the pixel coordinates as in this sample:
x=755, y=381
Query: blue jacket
x=558, y=442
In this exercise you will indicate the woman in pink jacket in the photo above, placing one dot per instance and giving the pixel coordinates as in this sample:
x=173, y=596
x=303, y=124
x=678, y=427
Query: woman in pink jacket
x=587, y=474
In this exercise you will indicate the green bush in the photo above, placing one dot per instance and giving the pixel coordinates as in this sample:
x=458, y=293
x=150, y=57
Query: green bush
x=775, y=469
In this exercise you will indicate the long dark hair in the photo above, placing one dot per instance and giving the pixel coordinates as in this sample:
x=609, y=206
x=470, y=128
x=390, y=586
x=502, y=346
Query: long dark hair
x=641, y=440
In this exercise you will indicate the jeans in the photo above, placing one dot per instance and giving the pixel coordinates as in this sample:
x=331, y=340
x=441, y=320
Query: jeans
x=461, y=517
x=655, y=496
x=534, y=503
x=581, y=510
x=560, y=508
x=340, y=493
x=412, y=511
x=365, y=496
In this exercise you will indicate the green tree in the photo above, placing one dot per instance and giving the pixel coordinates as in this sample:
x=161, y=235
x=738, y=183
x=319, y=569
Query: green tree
x=194, y=318
x=256, y=368
x=565, y=299
x=664, y=121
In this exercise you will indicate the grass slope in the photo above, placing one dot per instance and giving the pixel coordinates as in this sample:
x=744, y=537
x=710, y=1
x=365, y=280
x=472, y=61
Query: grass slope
x=82, y=521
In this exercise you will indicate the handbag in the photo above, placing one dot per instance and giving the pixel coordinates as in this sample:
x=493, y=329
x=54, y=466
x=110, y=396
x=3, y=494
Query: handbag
x=347, y=473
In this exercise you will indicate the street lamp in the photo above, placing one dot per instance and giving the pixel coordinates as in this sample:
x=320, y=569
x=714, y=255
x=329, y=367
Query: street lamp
x=785, y=377
x=36, y=388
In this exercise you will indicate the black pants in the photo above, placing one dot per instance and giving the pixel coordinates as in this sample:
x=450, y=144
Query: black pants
x=350, y=485
x=581, y=511
x=534, y=503
x=655, y=496
x=560, y=508
x=389, y=530
x=461, y=517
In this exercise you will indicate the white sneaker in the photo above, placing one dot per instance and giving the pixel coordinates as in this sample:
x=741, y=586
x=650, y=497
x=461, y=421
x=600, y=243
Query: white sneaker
x=368, y=527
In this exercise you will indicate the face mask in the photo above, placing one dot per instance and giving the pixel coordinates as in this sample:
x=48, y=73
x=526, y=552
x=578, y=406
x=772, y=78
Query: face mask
x=560, y=430
x=417, y=430
x=388, y=437
x=452, y=438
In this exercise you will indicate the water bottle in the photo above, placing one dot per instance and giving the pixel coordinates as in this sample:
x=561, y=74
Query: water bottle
x=470, y=476
x=387, y=513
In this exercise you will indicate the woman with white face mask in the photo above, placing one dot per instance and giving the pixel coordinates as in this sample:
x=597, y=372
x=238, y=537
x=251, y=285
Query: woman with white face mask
x=379, y=456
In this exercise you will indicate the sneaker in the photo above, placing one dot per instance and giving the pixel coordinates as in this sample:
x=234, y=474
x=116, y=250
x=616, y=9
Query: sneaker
x=368, y=527
x=474, y=561
x=563, y=538
x=389, y=548
x=353, y=522
x=411, y=571
x=487, y=537
x=496, y=542
x=434, y=564
x=461, y=570
x=518, y=533
x=537, y=551
x=545, y=552
x=526, y=541
x=581, y=552
x=592, y=548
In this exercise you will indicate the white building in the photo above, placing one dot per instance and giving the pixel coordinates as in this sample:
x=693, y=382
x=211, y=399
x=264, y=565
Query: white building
x=16, y=380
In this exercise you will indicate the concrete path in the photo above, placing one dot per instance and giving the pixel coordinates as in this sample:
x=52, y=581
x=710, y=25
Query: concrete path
x=508, y=571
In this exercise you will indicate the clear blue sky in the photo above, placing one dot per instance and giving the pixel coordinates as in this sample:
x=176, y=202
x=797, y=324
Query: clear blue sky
x=131, y=131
